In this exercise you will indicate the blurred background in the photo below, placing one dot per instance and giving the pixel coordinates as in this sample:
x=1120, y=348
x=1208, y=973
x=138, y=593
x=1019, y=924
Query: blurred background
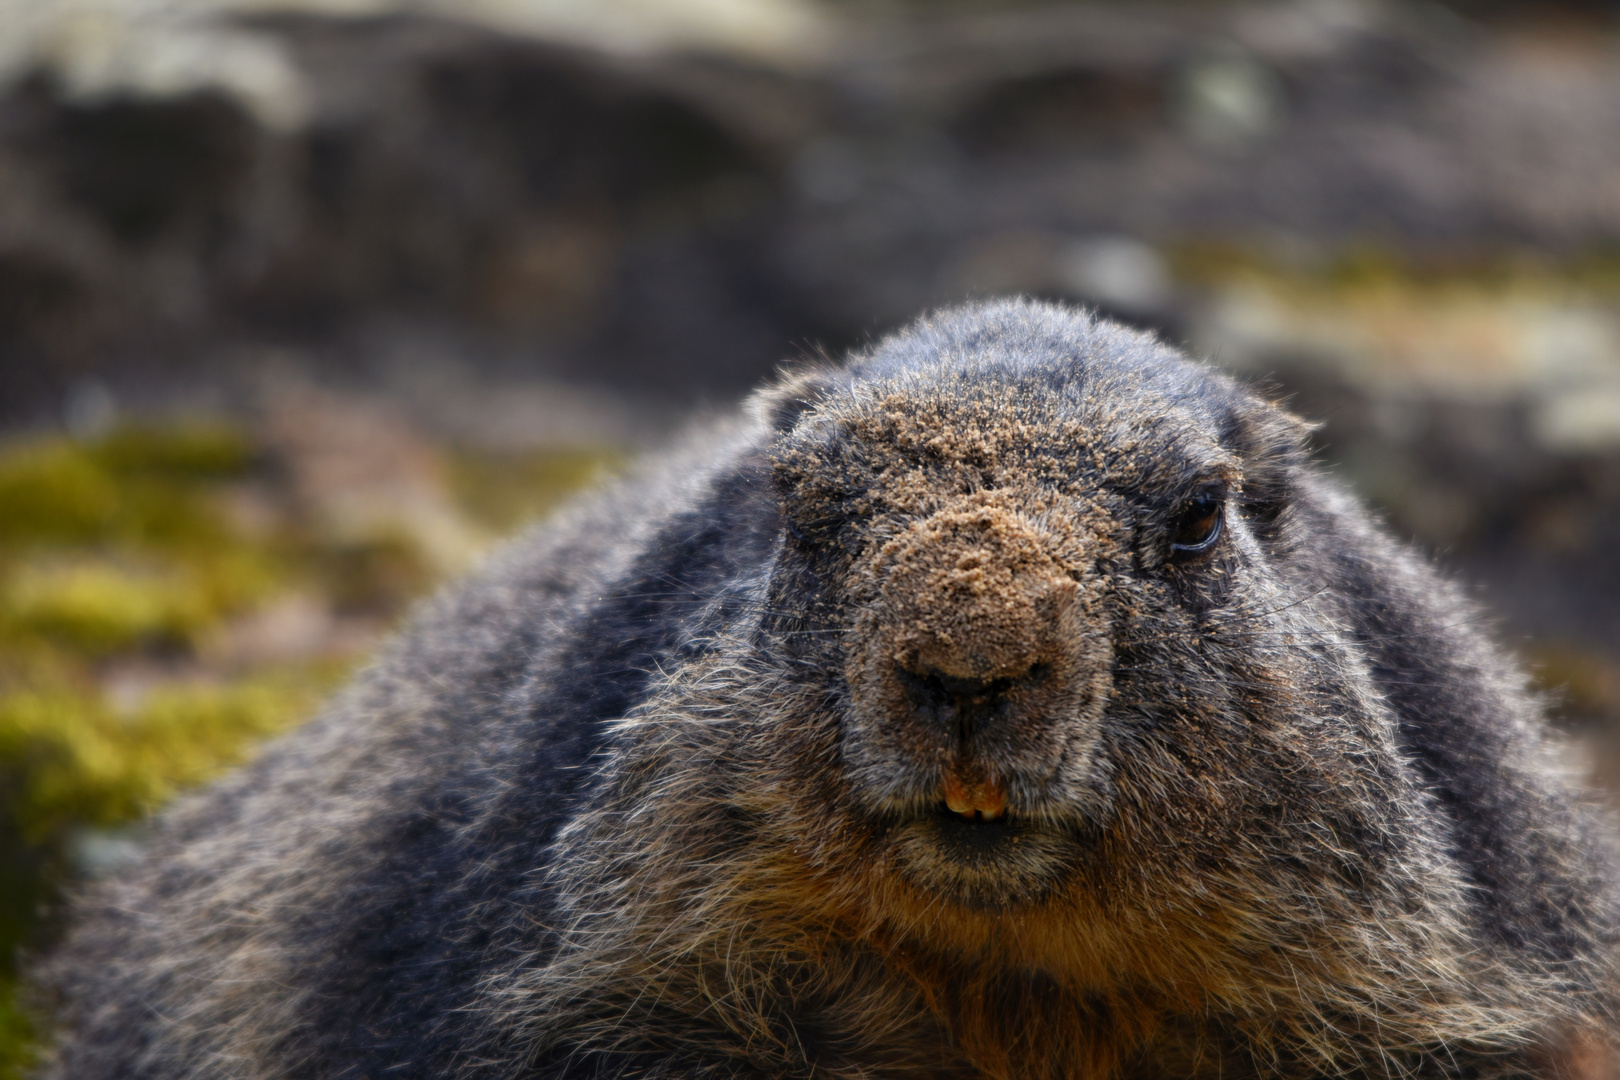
x=305, y=303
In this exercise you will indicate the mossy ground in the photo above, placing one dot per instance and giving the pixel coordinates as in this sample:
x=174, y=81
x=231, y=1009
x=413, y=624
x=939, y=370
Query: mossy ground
x=1594, y=273
x=126, y=574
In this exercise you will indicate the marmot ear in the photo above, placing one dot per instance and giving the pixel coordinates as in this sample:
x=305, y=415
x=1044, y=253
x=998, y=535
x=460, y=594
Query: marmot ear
x=1274, y=445
x=796, y=392
x=808, y=467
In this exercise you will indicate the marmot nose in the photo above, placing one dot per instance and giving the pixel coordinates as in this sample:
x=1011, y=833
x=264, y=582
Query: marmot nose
x=971, y=598
x=963, y=702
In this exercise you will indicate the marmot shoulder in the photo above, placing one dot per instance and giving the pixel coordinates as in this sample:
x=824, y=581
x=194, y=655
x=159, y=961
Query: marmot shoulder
x=1015, y=699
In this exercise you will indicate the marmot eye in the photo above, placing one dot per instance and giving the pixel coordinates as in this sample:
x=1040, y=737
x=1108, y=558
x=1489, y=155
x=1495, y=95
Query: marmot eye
x=1199, y=525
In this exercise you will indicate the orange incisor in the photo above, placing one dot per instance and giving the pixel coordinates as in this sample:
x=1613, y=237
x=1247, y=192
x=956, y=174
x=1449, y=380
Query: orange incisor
x=984, y=798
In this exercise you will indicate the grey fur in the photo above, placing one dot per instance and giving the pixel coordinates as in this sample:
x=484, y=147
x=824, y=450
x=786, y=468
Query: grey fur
x=657, y=793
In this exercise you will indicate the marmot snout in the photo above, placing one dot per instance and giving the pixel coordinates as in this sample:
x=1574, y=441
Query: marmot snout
x=982, y=663
x=1015, y=700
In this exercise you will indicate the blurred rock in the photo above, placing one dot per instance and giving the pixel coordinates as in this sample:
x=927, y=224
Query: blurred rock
x=1226, y=97
x=294, y=627
x=90, y=409
x=828, y=170
x=359, y=474
x=98, y=50
x=1118, y=271
x=96, y=852
x=673, y=197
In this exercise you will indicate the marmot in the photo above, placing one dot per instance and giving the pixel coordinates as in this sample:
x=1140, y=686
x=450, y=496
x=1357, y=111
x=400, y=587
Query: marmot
x=1014, y=700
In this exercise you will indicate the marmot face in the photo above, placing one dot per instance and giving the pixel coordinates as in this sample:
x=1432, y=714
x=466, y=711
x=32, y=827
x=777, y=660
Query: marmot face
x=1057, y=609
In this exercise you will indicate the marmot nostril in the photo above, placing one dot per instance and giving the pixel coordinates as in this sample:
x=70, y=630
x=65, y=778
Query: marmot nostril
x=931, y=688
x=955, y=703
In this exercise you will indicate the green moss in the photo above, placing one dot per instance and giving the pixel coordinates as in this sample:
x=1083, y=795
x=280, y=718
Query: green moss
x=54, y=493
x=195, y=451
x=16, y=1034
x=120, y=543
x=134, y=488
x=1366, y=267
x=503, y=492
x=77, y=761
x=99, y=607
x=1582, y=685
x=99, y=603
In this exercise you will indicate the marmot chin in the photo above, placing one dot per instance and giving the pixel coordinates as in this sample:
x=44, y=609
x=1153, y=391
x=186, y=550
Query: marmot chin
x=1015, y=700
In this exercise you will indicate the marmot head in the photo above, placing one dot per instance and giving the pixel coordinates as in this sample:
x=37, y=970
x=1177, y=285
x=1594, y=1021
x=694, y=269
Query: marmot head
x=1038, y=572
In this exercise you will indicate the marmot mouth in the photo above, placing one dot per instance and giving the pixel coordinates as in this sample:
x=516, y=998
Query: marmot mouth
x=970, y=815
x=974, y=834
x=983, y=862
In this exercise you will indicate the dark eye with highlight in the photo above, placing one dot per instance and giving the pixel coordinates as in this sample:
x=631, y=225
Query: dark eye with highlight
x=1199, y=525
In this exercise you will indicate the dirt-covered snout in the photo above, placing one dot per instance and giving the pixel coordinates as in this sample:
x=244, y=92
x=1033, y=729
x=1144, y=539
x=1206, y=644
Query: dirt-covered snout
x=983, y=662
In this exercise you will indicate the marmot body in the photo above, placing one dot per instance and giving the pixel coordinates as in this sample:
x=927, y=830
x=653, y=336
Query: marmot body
x=1014, y=701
